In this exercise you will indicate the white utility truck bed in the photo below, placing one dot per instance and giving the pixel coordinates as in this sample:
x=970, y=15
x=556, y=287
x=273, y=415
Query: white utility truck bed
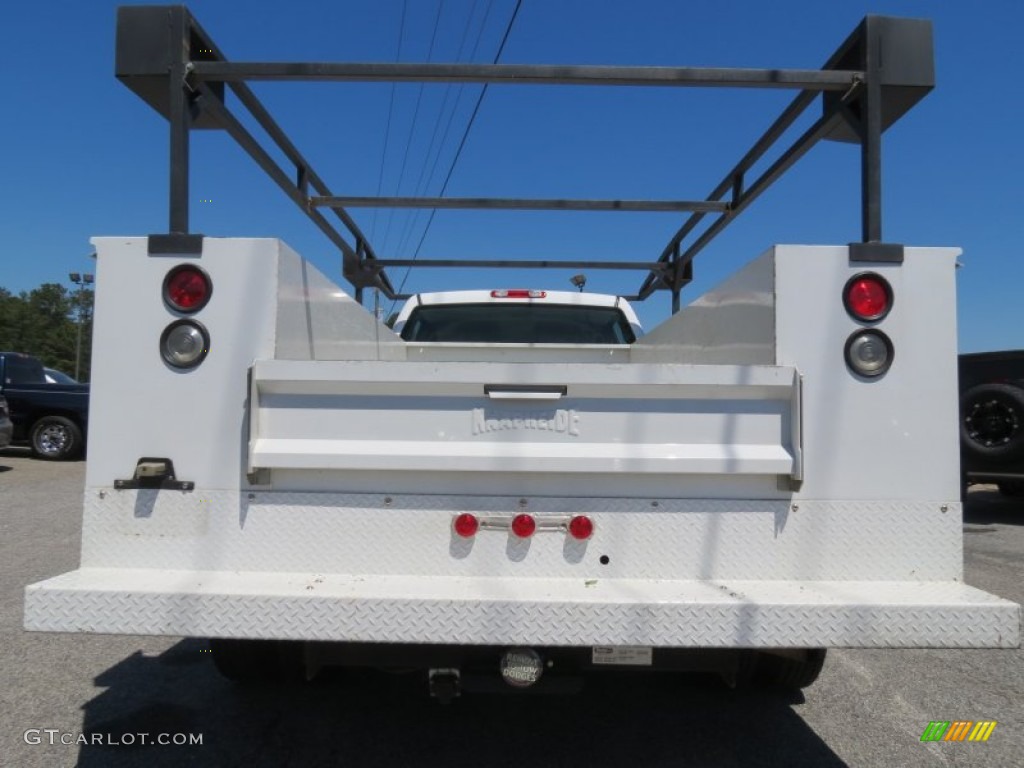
x=535, y=488
x=746, y=490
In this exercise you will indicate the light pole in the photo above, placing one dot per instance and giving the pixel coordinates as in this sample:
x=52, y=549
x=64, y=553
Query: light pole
x=81, y=280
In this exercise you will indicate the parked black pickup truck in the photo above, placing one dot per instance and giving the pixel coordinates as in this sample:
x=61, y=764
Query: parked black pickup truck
x=992, y=419
x=52, y=418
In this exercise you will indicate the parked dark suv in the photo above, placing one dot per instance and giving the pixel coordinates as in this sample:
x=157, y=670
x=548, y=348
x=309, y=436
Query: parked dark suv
x=992, y=419
x=52, y=418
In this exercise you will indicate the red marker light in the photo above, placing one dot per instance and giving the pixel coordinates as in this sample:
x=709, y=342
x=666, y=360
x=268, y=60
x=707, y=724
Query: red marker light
x=868, y=297
x=187, y=288
x=523, y=526
x=581, y=527
x=466, y=525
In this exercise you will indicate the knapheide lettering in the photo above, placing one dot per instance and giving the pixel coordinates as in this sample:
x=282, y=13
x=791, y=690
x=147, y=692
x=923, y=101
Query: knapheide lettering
x=564, y=421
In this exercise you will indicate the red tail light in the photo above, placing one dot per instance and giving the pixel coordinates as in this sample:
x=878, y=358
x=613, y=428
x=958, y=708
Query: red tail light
x=187, y=288
x=523, y=526
x=466, y=525
x=867, y=297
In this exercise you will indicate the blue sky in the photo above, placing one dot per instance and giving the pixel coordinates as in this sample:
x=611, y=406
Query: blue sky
x=83, y=156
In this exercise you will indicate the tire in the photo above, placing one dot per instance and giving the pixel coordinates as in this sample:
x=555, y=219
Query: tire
x=992, y=422
x=56, y=438
x=257, y=661
x=785, y=672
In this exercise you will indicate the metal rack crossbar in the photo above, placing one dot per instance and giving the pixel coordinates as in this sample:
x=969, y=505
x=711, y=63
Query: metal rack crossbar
x=882, y=70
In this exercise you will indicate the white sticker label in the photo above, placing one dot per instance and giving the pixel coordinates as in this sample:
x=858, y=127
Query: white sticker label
x=633, y=655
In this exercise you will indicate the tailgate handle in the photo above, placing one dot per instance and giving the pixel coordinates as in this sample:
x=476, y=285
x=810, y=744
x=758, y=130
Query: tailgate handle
x=525, y=391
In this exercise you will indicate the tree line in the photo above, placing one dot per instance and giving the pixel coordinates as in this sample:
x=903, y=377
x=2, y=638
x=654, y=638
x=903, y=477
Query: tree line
x=44, y=322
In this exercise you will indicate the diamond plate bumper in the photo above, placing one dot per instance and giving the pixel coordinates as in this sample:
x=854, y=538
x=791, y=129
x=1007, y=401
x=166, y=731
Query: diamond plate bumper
x=522, y=610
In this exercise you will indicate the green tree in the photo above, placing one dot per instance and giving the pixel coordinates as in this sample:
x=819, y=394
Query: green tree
x=44, y=323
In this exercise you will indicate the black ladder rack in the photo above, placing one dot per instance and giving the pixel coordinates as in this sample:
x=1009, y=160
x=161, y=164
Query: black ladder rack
x=882, y=69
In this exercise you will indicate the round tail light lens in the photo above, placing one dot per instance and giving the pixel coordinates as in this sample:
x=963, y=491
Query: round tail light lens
x=184, y=344
x=466, y=525
x=869, y=353
x=187, y=288
x=581, y=527
x=867, y=297
x=523, y=526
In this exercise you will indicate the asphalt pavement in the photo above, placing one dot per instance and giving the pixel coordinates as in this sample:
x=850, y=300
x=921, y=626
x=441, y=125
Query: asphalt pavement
x=869, y=708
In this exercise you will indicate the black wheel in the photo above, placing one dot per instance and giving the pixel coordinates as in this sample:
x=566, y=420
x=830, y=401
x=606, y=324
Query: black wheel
x=789, y=672
x=992, y=421
x=257, y=661
x=1011, y=487
x=56, y=438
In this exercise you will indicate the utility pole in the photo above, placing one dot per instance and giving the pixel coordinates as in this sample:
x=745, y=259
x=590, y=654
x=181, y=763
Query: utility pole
x=81, y=280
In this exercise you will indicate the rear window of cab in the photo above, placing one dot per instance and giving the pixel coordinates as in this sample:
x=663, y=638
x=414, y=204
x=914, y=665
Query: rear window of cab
x=500, y=323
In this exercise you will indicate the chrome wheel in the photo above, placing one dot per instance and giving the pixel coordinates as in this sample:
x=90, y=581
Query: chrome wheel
x=53, y=439
x=56, y=438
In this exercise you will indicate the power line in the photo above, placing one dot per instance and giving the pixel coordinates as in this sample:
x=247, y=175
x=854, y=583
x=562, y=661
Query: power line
x=415, y=118
x=412, y=219
x=462, y=144
x=387, y=130
x=458, y=100
x=448, y=124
